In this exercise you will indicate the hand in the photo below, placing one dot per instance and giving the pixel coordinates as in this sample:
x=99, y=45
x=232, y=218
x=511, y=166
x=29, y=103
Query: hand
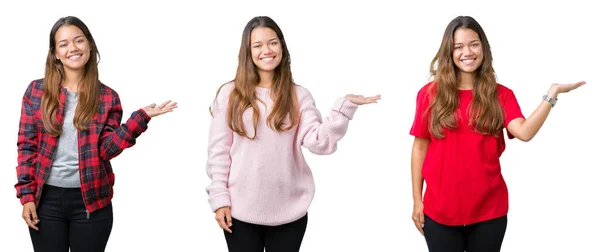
x=30, y=215
x=360, y=100
x=223, y=217
x=556, y=89
x=418, y=217
x=152, y=110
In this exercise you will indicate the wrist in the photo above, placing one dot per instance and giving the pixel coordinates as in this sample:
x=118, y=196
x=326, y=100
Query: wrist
x=417, y=200
x=553, y=92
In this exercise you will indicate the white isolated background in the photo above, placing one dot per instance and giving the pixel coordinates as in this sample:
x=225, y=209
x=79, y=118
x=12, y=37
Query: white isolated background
x=154, y=51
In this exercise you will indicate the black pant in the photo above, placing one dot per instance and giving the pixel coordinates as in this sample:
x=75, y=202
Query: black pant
x=484, y=236
x=64, y=223
x=248, y=237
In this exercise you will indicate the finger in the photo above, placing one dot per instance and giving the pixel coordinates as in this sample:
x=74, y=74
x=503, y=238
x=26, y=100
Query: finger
x=34, y=216
x=374, y=99
x=30, y=222
x=153, y=105
x=164, y=104
x=224, y=225
x=422, y=219
x=228, y=218
x=418, y=226
x=421, y=230
x=172, y=105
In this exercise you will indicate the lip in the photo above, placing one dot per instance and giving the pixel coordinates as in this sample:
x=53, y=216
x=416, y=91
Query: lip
x=75, y=57
x=267, y=59
x=469, y=61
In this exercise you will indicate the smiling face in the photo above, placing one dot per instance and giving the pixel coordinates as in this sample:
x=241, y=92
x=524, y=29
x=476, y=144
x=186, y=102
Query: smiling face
x=72, y=48
x=468, y=51
x=266, y=49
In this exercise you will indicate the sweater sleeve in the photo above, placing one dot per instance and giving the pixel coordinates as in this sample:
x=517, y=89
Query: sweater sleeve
x=321, y=136
x=218, y=163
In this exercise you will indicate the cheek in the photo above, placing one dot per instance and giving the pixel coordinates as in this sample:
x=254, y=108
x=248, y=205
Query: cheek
x=279, y=53
x=59, y=52
x=255, y=54
x=455, y=56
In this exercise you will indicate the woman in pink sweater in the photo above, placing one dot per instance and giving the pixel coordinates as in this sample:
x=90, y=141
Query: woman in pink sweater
x=261, y=185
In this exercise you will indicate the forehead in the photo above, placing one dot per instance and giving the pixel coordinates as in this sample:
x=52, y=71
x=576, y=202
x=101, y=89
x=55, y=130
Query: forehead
x=262, y=34
x=465, y=35
x=67, y=32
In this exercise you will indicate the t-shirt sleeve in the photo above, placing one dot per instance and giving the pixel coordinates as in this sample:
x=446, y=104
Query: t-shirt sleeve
x=420, y=126
x=512, y=110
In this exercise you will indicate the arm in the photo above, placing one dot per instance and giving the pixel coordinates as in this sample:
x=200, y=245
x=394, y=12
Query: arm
x=219, y=160
x=114, y=137
x=27, y=151
x=419, y=149
x=321, y=137
x=526, y=129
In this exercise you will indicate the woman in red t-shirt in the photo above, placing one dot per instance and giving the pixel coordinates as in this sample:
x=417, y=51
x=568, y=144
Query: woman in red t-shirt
x=458, y=142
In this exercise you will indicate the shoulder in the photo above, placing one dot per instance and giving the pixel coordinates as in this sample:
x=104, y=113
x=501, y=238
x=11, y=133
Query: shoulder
x=505, y=93
x=426, y=91
x=225, y=90
x=304, y=96
x=35, y=86
x=106, y=90
x=301, y=91
x=222, y=96
x=503, y=89
x=34, y=91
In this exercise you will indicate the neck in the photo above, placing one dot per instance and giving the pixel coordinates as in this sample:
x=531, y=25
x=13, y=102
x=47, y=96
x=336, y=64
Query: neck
x=266, y=79
x=466, y=81
x=72, y=79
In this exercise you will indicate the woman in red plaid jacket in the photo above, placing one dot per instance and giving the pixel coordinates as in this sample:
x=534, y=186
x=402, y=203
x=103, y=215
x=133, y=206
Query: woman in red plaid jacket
x=70, y=128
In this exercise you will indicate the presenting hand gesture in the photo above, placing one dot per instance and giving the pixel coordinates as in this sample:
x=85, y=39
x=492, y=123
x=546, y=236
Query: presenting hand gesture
x=152, y=110
x=556, y=89
x=360, y=100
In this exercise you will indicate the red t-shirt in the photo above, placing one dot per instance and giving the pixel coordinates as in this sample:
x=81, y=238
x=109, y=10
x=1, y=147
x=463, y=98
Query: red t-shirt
x=464, y=184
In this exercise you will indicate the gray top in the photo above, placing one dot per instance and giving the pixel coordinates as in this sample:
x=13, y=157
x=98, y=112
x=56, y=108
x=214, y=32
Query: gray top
x=65, y=167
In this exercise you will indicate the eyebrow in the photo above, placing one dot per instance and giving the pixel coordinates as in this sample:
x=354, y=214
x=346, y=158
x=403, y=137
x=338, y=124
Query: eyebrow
x=76, y=37
x=268, y=41
x=475, y=40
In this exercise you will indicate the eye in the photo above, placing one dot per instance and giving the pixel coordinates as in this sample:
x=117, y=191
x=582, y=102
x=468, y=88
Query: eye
x=474, y=45
x=256, y=46
x=79, y=41
x=274, y=43
x=62, y=45
x=457, y=47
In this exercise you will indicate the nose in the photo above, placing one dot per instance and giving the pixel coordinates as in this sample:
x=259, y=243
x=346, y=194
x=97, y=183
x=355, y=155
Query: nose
x=467, y=51
x=266, y=49
x=73, y=47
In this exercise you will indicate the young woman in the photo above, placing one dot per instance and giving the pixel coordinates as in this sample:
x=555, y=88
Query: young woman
x=458, y=141
x=69, y=131
x=261, y=185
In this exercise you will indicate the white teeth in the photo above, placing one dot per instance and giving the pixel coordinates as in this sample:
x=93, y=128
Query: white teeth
x=75, y=57
x=468, y=60
x=267, y=59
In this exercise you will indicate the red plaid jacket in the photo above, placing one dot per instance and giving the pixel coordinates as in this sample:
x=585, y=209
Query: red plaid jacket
x=104, y=139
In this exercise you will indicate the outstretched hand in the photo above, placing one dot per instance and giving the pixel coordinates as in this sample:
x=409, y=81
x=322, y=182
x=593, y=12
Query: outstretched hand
x=152, y=110
x=360, y=100
x=556, y=89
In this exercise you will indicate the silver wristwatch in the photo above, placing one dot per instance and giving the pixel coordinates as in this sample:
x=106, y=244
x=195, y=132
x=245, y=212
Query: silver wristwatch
x=549, y=99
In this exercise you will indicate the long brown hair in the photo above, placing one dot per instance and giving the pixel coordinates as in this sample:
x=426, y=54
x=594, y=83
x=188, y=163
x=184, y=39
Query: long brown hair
x=247, y=78
x=88, y=89
x=487, y=115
